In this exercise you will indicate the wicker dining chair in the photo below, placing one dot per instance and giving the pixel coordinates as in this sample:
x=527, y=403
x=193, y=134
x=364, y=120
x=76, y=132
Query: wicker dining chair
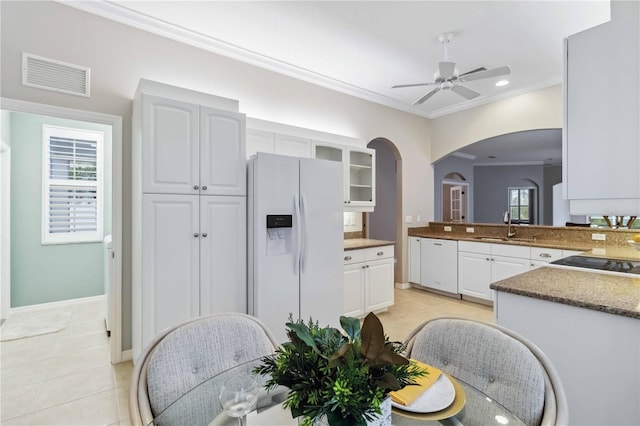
x=502, y=364
x=183, y=357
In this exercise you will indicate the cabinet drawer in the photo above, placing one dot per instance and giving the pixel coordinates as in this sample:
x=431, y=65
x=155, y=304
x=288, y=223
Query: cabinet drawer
x=375, y=253
x=473, y=247
x=510, y=251
x=545, y=254
x=353, y=256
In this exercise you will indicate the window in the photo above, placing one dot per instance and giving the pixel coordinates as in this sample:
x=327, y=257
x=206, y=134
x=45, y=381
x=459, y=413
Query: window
x=521, y=205
x=72, y=185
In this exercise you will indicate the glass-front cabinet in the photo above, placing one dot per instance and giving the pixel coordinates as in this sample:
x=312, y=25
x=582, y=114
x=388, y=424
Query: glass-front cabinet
x=359, y=173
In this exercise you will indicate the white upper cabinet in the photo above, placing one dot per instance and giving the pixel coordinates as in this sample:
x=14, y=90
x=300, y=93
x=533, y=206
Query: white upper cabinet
x=601, y=144
x=292, y=146
x=192, y=149
x=260, y=141
x=359, y=173
x=170, y=140
x=222, y=152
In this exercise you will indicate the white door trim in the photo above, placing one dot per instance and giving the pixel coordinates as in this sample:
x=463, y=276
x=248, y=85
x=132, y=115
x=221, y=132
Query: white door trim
x=116, y=172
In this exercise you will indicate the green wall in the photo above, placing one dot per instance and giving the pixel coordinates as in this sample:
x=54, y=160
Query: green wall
x=48, y=273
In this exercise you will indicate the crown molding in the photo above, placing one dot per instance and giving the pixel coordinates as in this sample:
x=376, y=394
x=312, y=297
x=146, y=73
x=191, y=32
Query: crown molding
x=123, y=15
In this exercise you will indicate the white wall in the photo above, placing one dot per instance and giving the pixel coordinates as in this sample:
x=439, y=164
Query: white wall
x=119, y=56
x=541, y=109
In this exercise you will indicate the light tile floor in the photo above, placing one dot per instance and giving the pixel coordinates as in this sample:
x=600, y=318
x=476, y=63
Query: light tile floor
x=66, y=378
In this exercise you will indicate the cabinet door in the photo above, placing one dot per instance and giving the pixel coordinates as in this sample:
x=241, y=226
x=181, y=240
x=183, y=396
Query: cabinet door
x=223, y=164
x=354, y=290
x=439, y=264
x=362, y=177
x=169, y=146
x=506, y=267
x=378, y=284
x=259, y=141
x=414, y=259
x=170, y=274
x=598, y=172
x=474, y=275
x=337, y=153
x=223, y=262
x=292, y=146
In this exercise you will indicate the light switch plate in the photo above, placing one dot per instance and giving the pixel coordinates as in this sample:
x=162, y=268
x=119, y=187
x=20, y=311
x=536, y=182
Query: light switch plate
x=408, y=219
x=470, y=230
x=447, y=229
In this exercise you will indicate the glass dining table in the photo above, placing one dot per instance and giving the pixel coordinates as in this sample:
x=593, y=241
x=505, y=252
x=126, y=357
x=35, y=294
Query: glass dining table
x=201, y=406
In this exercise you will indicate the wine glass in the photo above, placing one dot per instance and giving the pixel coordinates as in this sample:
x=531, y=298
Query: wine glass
x=239, y=396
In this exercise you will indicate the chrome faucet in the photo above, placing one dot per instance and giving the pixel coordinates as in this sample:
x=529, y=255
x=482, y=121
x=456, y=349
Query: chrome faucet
x=507, y=219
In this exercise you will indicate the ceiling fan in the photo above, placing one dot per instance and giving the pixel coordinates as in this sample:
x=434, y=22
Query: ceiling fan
x=447, y=77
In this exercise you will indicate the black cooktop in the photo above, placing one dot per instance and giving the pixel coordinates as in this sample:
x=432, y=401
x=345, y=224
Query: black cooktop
x=601, y=264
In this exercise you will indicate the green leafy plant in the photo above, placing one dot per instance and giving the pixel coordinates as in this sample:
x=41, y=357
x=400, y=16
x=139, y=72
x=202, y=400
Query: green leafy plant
x=343, y=376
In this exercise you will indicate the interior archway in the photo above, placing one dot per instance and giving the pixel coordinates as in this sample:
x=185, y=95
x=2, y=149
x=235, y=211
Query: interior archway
x=385, y=222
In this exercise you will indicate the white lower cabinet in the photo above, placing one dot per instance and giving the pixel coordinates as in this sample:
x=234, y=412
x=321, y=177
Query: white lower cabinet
x=368, y=280
x=439, y=264
x=480, y=264
x=193, y=258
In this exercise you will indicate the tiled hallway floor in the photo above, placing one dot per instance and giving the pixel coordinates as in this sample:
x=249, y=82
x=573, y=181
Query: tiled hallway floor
x=65, y=378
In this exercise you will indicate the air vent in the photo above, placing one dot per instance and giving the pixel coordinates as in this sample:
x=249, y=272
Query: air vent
x=49, y=74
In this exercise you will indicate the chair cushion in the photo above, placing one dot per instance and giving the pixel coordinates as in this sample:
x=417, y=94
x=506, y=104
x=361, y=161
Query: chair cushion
x=497, y=364
x=197, y=351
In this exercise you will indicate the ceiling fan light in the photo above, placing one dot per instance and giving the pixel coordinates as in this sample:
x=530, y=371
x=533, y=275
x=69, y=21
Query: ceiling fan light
x=502, y=83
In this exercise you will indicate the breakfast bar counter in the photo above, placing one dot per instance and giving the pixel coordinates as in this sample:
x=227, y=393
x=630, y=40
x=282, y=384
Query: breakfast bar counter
x=614, y=294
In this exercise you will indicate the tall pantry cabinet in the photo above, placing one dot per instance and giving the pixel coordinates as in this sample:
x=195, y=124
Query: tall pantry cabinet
x=189, y=209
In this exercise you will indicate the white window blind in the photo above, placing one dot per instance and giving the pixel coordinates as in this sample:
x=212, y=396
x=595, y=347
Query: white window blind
x=72, y=196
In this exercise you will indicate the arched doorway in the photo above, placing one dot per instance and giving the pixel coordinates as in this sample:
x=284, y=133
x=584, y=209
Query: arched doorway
x=385, y=222
x=455, y=196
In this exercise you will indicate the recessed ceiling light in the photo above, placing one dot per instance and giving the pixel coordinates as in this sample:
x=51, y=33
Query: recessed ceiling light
x=502, y=83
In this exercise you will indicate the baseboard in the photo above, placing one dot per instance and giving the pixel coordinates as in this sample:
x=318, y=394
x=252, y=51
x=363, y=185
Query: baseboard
x=126, y=355
x=59, y=304
x=402, y=286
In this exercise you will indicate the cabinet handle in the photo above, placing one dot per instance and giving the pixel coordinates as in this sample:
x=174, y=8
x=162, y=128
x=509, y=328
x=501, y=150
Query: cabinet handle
x=437, y=244
x=380, y=253
x=545, y=255
x=195, y=187
x=204, y=235
x=363, y=266
x=347, y=258
x=366, y=266
x=196, y=235
x=204, y=188
x=488, y=259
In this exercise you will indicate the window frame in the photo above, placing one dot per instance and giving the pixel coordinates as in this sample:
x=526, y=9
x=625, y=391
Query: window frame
x=532, y=204
x=71, y=237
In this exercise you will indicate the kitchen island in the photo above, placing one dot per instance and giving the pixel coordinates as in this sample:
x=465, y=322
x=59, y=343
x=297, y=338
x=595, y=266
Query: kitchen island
x=588, y=324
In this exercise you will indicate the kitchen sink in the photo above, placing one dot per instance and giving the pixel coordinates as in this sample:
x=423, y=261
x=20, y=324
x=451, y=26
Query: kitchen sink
x=504, y=239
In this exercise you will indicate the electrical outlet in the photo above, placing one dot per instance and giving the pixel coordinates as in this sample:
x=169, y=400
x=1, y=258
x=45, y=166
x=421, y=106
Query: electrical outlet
x=447, y=229
x=471, y=230
x=598, y=237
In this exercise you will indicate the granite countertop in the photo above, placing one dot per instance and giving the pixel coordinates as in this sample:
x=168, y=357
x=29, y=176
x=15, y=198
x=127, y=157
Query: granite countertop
x=614, y=294
x=361, y=243
x=559, y=244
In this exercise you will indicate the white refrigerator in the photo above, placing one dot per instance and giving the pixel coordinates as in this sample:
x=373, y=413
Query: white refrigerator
x=295, y=247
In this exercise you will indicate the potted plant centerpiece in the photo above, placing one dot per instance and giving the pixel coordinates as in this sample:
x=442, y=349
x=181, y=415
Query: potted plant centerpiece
x=339, y=378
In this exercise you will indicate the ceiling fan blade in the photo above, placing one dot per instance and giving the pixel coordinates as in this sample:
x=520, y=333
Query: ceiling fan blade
x=472, y=71
x=465, y=92
x=446, y=69
x=411, y=85
x=495, y=72
x=427, y=96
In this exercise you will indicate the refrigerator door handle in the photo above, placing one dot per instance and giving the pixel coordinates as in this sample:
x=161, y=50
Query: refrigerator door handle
x=296, y=228
x=303, y=245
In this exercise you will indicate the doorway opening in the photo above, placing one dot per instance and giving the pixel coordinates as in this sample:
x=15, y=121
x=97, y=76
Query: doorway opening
x=385, y=222
x=26, y=123
x=455, y=198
